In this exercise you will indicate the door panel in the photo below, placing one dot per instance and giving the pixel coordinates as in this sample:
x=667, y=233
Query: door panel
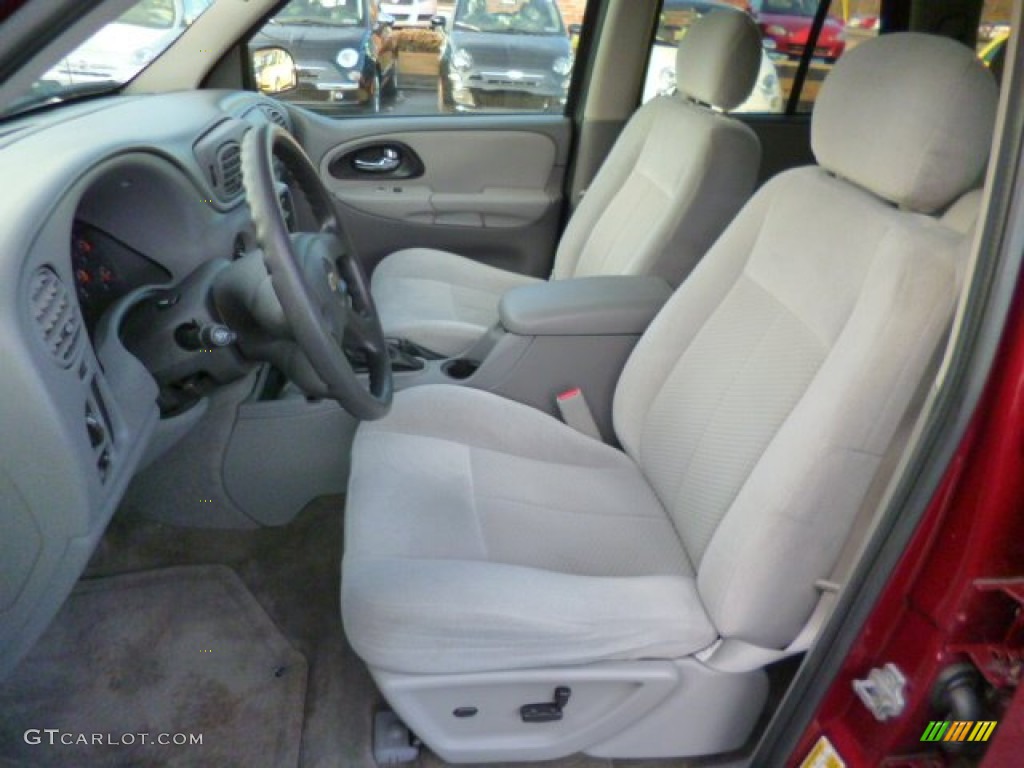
x=454, y=186
x=488, y=187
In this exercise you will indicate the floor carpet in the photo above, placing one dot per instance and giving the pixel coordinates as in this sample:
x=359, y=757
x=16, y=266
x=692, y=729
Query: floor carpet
x=293, y=573
x=159, y=656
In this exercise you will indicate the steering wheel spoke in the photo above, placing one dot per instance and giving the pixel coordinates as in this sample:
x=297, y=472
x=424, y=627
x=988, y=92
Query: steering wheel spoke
x=320, y=283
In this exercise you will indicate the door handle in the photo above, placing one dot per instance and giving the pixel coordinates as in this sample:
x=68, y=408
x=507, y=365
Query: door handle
x=387, y=161
x=391, y=160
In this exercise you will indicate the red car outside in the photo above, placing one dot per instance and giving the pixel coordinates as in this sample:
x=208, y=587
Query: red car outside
x=786, y=25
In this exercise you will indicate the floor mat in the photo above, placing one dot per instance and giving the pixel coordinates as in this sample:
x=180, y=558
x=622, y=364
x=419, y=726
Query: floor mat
x=140, y=658
x=293, y=573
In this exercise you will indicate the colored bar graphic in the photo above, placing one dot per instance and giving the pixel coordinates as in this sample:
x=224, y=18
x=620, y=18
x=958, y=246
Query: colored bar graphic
x=982, y=731
x=959, y=730
x=935, y=731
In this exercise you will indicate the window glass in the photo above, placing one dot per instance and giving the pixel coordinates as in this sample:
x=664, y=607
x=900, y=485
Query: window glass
x=322, y=13
x=509, y=16
x=676, y=17
x=419, y=57
x=786, y=27
x=118, y=51
x=155, y=14
x=993, y=34
x=850, y=23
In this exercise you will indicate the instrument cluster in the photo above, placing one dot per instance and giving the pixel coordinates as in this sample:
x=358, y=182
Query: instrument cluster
x=106, y=269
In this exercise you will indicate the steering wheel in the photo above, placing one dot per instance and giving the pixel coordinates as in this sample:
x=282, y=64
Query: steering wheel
x=321, y=285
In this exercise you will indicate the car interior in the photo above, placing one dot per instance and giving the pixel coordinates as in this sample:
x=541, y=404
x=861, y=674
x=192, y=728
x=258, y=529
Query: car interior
x=674, y=179
x=464, y=438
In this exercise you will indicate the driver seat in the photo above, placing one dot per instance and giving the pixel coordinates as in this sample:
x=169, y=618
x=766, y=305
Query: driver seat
x=497, y=559
x=675, y=178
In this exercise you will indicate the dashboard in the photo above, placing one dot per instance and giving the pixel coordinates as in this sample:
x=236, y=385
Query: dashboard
x=106, y=269
x=90, y=229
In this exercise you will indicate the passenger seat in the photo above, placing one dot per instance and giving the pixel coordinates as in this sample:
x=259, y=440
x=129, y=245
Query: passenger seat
x=675, y=178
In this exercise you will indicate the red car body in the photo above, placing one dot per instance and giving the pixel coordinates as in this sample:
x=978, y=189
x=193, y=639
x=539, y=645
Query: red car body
x=786, y=25
x=956, y=595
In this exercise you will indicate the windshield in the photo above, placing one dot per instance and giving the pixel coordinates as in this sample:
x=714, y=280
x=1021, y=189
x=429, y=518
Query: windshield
x=115, y=54
x=790, y=7
x=325, y=13
x=525, y=17
x=157, y=14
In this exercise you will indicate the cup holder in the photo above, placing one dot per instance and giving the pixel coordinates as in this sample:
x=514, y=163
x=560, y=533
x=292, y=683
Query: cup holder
x=460, y=369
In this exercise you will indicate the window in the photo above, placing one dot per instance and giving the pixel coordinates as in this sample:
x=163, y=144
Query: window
x=514, y=17
x=785, y=27
x=676, y=17
x=850, y=22
x=321, y=14
x=155, y=14
x=352, y=57
x=788, y=7
x=993, y=34
x=118, y=51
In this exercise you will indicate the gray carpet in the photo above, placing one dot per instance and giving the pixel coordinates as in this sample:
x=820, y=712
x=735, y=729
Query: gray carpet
x=145, y=657
x=293, y=574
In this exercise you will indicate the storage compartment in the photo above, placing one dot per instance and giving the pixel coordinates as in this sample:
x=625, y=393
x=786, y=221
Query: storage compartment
x=460, y=369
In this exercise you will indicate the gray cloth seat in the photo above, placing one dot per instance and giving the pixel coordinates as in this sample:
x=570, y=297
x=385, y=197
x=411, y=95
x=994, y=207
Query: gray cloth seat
x=484, y=537
x=582, y=552
x=439, y=300
x=676, y=176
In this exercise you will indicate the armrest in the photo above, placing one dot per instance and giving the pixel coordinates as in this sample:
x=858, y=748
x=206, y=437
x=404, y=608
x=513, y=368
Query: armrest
x=586, y=306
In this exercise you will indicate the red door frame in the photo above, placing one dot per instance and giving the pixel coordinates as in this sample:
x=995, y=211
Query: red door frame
x=957, y=594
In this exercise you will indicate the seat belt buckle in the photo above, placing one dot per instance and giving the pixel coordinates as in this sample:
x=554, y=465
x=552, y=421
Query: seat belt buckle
x=575, y=412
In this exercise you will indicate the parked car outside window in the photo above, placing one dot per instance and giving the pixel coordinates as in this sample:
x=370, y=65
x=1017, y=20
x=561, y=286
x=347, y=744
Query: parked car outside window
x=344, y=53
x=786, y=25
x=505, y=54
x=410, y=12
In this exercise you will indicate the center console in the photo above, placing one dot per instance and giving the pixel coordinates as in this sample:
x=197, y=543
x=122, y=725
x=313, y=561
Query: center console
x=552, y=337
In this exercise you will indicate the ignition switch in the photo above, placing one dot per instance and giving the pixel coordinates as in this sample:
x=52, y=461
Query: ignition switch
x=206, y=336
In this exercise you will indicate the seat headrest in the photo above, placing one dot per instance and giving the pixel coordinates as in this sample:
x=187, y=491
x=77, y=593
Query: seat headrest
x=719, y=58
x=908, y=117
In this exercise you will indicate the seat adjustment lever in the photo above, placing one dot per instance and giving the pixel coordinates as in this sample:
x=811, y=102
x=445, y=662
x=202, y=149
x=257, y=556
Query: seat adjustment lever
x=549, y=711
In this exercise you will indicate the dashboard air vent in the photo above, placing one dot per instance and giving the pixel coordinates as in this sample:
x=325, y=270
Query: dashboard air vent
x=229, y=166
x=55, y=315
x=276, y=115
